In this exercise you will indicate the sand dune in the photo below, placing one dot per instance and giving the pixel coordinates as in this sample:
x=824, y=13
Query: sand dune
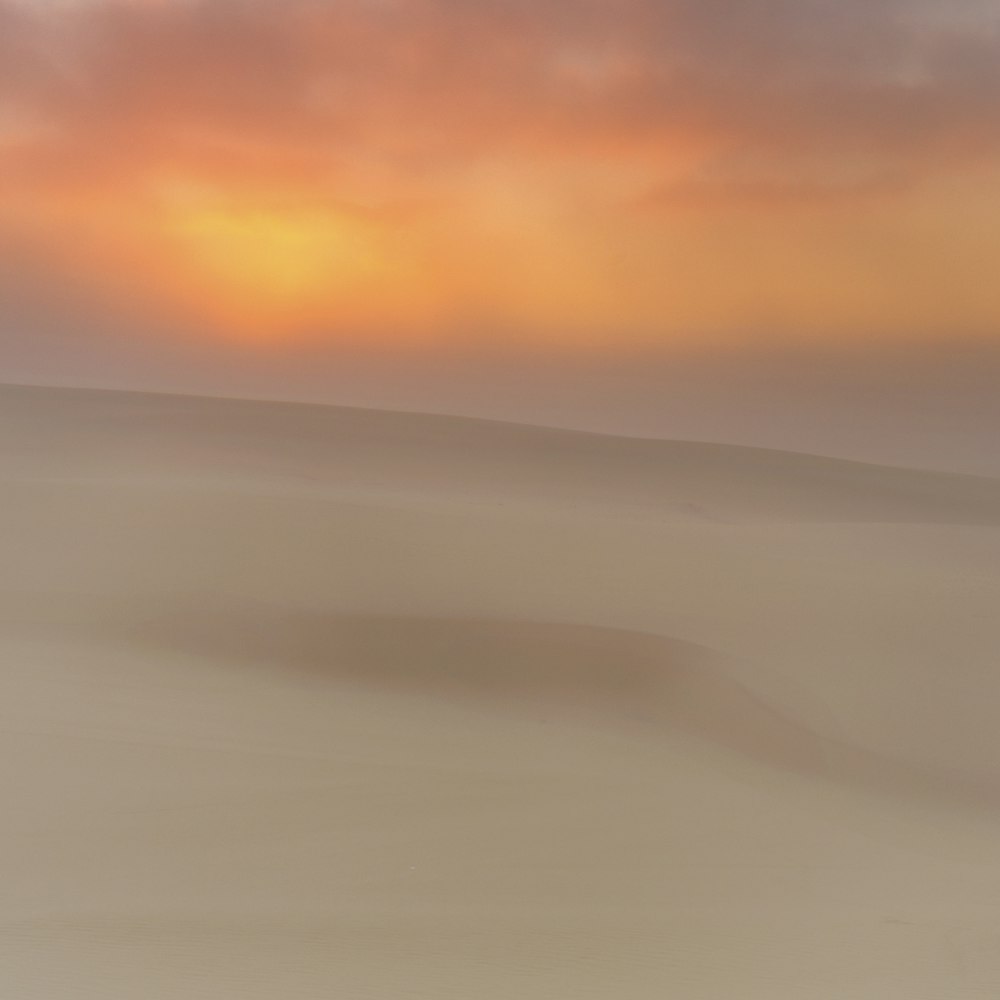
x=403, y=455
x=310, y=702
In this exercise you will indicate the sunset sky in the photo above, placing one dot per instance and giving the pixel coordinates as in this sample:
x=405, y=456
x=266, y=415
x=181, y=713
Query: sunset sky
x=673, y=217
x=585, y=172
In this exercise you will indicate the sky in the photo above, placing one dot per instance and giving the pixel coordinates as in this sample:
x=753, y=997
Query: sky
x=194, y=185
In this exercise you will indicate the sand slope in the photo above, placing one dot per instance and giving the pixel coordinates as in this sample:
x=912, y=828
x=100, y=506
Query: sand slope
x=309, y=702
x=371, y=453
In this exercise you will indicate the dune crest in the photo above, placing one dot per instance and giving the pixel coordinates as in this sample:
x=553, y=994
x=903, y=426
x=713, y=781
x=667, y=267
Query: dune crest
x=135, y=436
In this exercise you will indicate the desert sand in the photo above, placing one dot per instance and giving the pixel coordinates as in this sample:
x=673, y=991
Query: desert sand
x=302, y=702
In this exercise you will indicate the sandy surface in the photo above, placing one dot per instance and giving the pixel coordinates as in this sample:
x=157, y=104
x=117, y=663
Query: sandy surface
x=302, y=703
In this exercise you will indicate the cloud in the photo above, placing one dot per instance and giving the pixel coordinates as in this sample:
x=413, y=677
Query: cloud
x=467, y=144
x=417, y=86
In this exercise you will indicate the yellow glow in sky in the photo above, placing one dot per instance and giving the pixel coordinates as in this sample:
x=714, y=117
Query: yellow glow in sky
x=266, y=267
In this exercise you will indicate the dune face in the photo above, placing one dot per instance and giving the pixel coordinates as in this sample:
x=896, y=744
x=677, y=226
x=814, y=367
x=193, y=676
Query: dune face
x=368, y=453
x=311, y=702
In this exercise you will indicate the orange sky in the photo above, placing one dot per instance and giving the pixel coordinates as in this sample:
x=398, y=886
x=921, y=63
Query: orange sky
x=569, y=172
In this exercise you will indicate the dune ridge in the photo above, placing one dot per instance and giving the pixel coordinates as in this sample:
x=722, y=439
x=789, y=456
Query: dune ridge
x=392, y=452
